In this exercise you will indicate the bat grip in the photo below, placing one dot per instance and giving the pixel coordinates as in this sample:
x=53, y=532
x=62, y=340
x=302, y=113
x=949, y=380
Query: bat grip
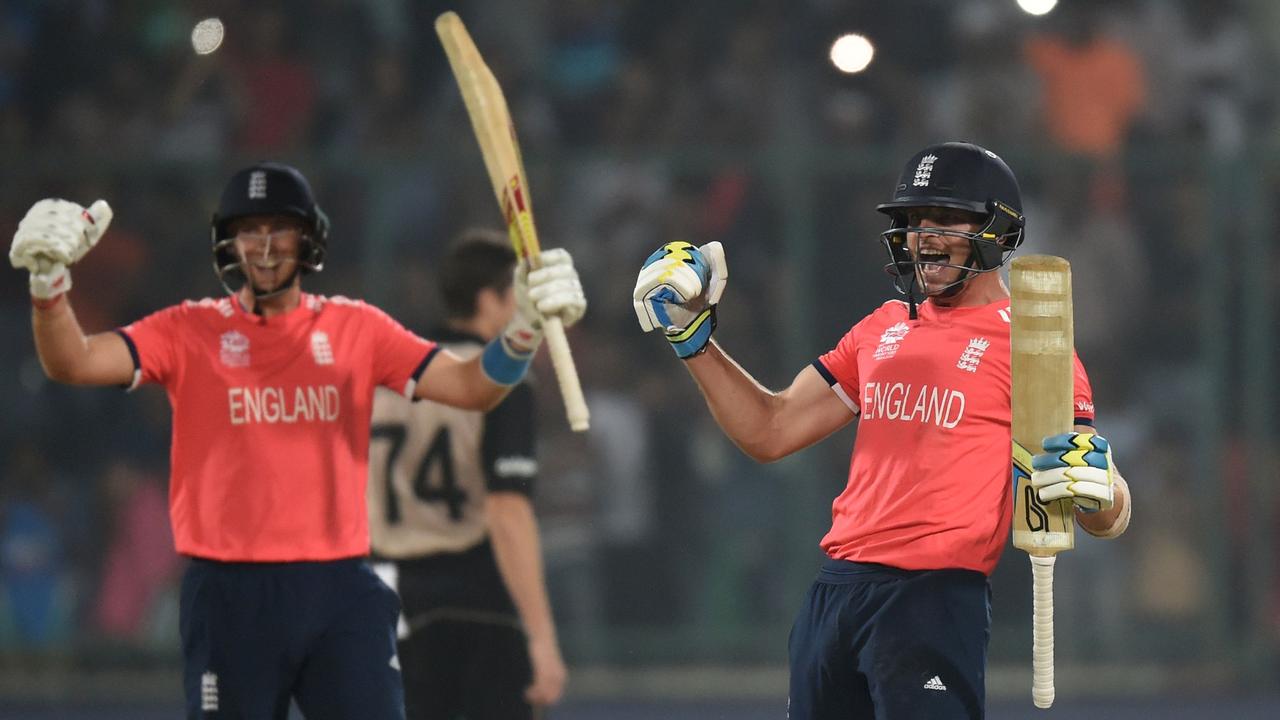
x=1042, y=630
x=575, y=404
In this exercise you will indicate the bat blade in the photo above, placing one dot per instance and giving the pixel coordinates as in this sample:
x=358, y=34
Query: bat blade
x=496, y=135
x=1042, y=340
x=494, y=130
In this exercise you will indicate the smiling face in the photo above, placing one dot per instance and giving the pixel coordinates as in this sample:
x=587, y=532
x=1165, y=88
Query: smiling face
x=268, y=248
x=936, y=243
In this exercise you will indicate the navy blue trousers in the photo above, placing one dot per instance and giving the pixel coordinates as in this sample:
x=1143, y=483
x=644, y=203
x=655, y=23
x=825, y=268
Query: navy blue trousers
x=880, y=643
x=256, y=634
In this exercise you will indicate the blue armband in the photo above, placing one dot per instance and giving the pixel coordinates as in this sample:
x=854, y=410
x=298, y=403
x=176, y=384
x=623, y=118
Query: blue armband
x=503, y=365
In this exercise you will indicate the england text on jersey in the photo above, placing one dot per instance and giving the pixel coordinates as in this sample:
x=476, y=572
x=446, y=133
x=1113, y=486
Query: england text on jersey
x=302, y=403
x=906, y=402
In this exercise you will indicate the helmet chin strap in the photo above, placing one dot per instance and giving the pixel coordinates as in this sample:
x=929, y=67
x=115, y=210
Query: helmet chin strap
x=912, y=305
x=259, y=295
x=284, y=286
x=952, y=288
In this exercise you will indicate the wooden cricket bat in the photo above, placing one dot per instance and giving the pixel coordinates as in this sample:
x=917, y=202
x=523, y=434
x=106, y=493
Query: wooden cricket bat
x=491, y=121
x=1042, y=342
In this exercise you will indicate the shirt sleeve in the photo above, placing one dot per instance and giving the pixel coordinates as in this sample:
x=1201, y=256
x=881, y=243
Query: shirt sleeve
x=399, y=356
x=153, y=343
x=507, y=448
x=1083, y=395
x=839, y=367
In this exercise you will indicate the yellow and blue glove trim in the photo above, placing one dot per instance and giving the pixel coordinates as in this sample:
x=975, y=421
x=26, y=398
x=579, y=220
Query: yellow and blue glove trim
x=681, y=251
x=1074, y=449
x=693, y=339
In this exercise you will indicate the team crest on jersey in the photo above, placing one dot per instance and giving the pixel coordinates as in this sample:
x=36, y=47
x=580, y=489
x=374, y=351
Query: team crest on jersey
x=235, y=349
x=320, y=348
x=891, y=340
x=972, y=355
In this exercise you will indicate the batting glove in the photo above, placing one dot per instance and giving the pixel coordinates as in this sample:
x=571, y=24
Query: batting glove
x=552, y=290
x=53, y=235
x=1075, y=466
x=677, y=291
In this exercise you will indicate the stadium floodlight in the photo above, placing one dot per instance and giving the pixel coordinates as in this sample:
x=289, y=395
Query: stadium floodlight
x=852, y=53
x=1037, y=7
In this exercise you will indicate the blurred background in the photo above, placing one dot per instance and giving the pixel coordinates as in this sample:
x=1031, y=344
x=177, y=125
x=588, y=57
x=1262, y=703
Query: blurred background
x=1145, y=135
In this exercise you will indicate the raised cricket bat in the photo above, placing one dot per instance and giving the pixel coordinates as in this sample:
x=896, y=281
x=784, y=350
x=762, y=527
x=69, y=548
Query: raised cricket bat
x=496, y=134
x=1042, y=341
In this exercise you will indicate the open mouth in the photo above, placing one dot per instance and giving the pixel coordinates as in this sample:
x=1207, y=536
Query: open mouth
x=269, y=264
x=932, y=262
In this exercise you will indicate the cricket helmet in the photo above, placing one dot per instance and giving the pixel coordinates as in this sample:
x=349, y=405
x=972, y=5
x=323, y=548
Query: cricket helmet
x=962, y=176
x=268, y=188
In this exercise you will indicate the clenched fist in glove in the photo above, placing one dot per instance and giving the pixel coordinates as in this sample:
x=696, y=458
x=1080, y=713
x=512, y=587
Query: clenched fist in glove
x=677, y=291
x=552, y=290
x=1076, y=466
x=53, y=235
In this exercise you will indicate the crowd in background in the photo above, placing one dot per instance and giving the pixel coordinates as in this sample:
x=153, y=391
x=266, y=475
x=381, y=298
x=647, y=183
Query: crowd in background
x=1133, y=126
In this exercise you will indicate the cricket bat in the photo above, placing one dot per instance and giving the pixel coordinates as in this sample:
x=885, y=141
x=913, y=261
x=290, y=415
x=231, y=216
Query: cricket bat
x=1043, y=344
x=491, y=121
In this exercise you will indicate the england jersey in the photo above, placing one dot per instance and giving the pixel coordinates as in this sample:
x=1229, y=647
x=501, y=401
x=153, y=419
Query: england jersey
x=930, y=478
x=271, y=421
x=431, y=466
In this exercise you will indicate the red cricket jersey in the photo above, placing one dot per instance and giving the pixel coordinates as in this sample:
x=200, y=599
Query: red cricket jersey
x=930, y=480
x=271, y=421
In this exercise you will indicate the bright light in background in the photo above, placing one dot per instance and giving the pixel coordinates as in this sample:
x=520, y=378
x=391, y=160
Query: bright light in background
x=1037, y=7
x=206, y=36
x=852, y=53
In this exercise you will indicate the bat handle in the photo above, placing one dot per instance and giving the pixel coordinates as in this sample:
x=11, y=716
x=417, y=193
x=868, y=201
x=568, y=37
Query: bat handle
x=575, y=404
x=1042, y=630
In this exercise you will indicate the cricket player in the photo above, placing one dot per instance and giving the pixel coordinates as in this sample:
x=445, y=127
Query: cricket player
x=272, y=392
x=897, y=622
x=450, y=508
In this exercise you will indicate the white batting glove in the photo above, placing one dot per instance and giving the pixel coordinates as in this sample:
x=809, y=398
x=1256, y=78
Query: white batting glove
x=552, y=290
x=53, y=235
x=677, y=291
x=1075, y=466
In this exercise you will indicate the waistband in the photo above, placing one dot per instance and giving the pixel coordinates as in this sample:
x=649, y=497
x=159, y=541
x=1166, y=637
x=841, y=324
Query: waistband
x=848, y=571
x=252, y=566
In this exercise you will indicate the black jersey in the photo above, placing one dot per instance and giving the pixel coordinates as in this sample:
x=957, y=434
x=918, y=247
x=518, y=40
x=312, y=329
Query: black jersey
x=430, y=466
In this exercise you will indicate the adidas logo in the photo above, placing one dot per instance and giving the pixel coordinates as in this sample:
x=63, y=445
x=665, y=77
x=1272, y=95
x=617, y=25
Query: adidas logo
x=935, y=683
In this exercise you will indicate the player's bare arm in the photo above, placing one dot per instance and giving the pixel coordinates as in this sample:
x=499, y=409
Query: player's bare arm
x=767, y=425
x=513, y=530
x=52, y=236
x=461, y=383
x=553, y=290
x=68, y=356
x=1109, y=523
x=677, y=291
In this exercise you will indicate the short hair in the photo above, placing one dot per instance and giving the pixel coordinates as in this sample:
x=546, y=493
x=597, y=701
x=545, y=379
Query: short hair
x=477, y=259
